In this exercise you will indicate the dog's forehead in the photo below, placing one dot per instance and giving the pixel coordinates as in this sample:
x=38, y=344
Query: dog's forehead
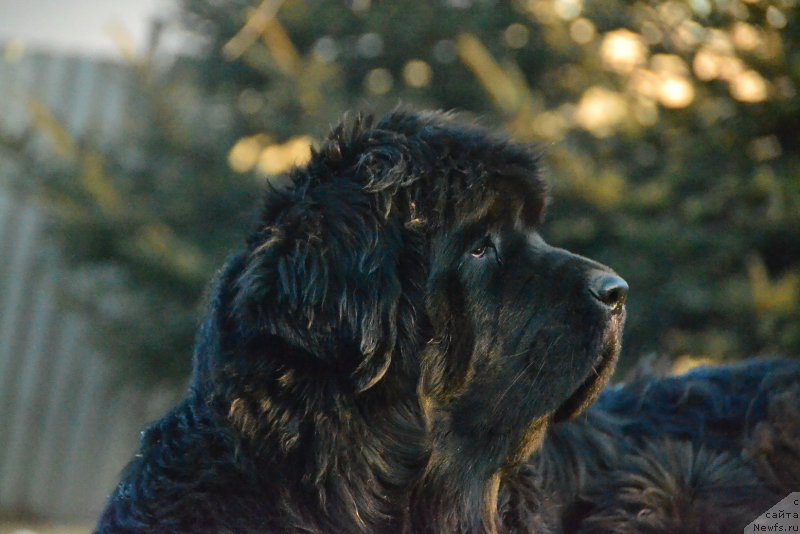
x=488, y=175
x=492, y=206
x=435, y=166
x=495, y=212
x=505, y=200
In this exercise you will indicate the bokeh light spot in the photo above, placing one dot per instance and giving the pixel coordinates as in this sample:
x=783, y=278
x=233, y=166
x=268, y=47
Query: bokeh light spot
x=623, y=50
x=651, y=33
x=675, y=91
x=243, y=156
x=745, y=36
x=701, y=7
x=673, y=13
x=600, y=110
x=730, y=67
x=775, y=17
x=369, y=45
x=706, y=65
x=379, y=81
x=582, y=31
x=568, y=9
x=325, y=49
x=665, y=64
x=444, y=51
x=764, y=148
x=749, y=87
x=280, y=158
x=516, y=35
x=417, y=73
x=250, y=101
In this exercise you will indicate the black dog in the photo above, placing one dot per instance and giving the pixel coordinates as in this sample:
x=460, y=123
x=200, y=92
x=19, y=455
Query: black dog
x=388, y=352
x=706, y=452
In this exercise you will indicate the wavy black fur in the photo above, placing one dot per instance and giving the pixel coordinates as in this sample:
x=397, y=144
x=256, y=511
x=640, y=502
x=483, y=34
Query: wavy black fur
x=705, y=452
x=391, y=347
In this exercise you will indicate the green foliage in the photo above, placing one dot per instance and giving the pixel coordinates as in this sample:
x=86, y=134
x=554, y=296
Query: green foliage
x=145, y=222
x=669, y=130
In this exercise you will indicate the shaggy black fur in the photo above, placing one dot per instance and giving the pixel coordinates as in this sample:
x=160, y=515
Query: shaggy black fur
x=391, y=347
x=706, y=452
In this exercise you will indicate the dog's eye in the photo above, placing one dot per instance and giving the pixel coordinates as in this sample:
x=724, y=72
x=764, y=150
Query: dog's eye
x=479, y=252
x=483, y=247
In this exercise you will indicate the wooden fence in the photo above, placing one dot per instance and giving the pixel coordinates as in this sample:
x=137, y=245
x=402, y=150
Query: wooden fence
x=66, y=430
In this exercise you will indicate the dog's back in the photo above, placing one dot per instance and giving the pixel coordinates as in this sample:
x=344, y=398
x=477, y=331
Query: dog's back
x=704, y=452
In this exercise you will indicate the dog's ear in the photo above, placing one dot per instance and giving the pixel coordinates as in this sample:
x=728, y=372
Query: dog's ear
x=321, y=273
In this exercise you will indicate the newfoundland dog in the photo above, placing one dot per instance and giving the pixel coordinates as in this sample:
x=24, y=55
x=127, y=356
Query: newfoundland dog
x=396, y=349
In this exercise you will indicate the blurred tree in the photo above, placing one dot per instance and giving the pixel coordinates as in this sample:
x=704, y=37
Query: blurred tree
x=144, y=223
x=669, y=129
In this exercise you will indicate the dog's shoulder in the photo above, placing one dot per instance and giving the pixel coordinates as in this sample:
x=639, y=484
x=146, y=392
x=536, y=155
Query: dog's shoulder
x=186, y=477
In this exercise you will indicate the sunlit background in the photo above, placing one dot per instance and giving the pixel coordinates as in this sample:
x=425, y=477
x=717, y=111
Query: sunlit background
x=136, y=138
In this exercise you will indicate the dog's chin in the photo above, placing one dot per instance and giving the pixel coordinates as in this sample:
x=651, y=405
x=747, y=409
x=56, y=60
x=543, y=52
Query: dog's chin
x=597, y=377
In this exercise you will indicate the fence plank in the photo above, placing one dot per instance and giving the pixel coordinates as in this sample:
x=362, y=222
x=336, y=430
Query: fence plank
x=66, y=430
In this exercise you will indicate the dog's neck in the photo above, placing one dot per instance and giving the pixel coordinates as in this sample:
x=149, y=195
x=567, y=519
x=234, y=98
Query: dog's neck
x=369, y=462
x=473, y=482
x=336, y=460
x=347, y=461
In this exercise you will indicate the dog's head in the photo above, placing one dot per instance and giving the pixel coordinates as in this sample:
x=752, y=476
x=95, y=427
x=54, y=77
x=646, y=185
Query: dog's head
x=526, y=333
x=412, y=246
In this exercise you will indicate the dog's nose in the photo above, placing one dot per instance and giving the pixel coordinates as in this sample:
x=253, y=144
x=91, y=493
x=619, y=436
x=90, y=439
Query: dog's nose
x=609, y=289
